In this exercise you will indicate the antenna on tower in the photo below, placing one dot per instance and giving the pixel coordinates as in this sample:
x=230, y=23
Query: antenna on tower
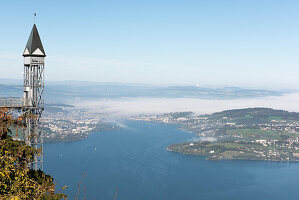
x=34, y=14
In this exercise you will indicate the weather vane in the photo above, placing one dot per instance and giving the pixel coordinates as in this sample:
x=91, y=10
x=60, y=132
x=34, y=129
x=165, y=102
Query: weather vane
x=34, y=14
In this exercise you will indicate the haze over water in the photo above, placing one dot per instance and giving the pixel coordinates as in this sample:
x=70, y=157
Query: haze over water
x=134, y=163
x=127, y=107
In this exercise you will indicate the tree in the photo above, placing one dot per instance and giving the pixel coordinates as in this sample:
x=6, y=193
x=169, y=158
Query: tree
x=17, y=180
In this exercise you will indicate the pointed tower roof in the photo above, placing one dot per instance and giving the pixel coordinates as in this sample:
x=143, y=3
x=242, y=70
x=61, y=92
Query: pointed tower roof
x=34, y=45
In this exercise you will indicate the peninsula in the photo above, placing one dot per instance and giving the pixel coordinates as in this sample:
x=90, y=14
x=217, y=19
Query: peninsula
x=249, y=134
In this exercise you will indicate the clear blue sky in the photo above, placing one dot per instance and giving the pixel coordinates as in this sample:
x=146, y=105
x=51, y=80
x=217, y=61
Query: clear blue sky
x=253, y=43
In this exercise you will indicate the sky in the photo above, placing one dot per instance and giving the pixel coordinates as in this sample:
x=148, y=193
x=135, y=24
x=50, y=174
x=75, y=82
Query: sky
x=247, y=43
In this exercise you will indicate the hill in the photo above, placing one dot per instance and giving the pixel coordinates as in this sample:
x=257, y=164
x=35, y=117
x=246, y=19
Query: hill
x=250, y=133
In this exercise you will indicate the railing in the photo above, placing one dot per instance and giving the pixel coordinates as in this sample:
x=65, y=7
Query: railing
x=11, y=102
x=15, y=102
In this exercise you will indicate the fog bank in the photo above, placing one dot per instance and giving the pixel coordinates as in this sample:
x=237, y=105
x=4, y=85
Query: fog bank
x=127, y=107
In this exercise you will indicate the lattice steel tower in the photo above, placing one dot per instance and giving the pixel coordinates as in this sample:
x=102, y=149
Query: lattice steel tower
x=33, y=103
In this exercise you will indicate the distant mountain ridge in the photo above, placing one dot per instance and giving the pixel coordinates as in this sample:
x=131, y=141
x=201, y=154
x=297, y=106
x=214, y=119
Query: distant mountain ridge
x=59, y=92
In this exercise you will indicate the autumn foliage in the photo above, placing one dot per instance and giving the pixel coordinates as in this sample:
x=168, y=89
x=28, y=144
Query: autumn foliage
x=17, y=180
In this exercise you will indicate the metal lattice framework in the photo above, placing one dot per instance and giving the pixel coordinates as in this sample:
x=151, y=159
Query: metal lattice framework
x=31, y=104
x=33, y=107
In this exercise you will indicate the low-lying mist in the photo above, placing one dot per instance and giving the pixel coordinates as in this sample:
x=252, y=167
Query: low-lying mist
x=128, y=107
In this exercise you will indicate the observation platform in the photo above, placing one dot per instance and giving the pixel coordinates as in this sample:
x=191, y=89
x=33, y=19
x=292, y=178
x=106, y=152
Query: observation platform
x=18, y=103
x=12, y=102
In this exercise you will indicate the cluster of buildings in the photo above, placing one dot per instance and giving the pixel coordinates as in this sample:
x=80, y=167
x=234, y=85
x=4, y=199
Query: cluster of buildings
x=274, y=140
x=70, y=123
x=213, y=126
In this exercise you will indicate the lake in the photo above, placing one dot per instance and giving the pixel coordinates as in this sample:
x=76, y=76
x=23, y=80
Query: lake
x=134, y=163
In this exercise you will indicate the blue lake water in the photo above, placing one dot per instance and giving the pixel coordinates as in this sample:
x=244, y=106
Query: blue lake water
x=133, y=162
